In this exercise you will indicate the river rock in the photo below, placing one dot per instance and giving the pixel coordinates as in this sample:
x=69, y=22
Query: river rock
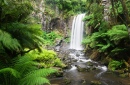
x=119, y=71
x=95, y=83
x=89, y=63
x=80, y=69
x=129, y=75
x=93, y=68
x=59, y=74
x=67, y=81
x=124, y=75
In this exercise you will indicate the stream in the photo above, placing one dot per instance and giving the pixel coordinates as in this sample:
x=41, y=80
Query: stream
x=84, y=71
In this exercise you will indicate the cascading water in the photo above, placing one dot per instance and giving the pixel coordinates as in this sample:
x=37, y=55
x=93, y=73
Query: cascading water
x=81, y=70
x=77, y=32
x=76, y=45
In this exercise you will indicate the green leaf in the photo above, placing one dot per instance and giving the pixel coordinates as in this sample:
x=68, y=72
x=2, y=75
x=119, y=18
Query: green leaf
x=11, y=71
x=37, y=77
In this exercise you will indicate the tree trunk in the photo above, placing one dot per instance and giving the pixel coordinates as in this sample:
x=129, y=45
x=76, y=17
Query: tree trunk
x=114, y=12
x=125, y=11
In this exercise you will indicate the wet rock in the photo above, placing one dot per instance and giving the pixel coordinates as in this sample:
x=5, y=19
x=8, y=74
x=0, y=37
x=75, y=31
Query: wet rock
x=95, y=83
x=80, y=69
x=93, y=68
x=89, y=63
x=119, y=71
x=129, y=75
x=59, y=74
x=88, y=69
x=124, y=75
x=75, y=60
x=67, y=81
x=106, y=61
x=83, y=81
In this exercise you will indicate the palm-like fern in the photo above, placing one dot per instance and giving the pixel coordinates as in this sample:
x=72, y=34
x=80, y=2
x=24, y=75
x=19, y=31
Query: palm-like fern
x=25, y=71
x=103, y=41
x=36, y=77
x=27, y=35
x=8, y=41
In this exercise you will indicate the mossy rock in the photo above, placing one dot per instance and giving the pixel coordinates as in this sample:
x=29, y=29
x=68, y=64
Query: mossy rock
x=95, y=83
x=67, y=81
x=124, y=75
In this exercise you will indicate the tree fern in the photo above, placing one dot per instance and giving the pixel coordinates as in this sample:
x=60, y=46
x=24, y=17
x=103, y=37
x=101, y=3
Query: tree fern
x=11, y=71
x=26, y=62
x=27, y=36
x=117, y=50
x=37, y=77
x=8, y=41
x=34, y=81
x=117, y=33
x=103, y=48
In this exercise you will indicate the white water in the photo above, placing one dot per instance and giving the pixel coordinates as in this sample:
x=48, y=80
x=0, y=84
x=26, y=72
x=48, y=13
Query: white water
x=76, y=44
x=77, y=32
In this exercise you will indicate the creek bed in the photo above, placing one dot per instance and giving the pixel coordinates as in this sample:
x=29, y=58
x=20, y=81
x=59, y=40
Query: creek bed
x=82, y=73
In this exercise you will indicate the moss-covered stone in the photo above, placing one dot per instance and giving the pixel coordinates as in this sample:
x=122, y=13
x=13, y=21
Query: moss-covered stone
x=95, y=83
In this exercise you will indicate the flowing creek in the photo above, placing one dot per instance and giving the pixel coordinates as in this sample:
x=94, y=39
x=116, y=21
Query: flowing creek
x=84, y=71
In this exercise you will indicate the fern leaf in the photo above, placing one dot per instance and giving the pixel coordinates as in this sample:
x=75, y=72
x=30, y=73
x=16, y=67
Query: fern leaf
x=37, y=77
x=118, y=33
x=34, y=81
x=42, y=72
x=8, y=41
x=12, y=71
x=118, y=50
x=27, y=64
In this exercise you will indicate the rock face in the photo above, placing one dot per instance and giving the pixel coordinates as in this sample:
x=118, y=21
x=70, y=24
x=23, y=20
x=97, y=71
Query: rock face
x=106, y=4
x=39, y=7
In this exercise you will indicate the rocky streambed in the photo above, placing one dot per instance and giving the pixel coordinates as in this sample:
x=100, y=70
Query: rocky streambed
x=81, y=70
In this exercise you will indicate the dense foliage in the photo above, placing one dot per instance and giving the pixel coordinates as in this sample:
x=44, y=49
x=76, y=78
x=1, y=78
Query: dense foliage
x=110, y=38
x=51, y=37
x=23, y=61
x=30, y=69
x=68, y=7
x=22, y=58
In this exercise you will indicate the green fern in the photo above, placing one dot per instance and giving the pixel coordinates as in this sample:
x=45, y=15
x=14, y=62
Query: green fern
x=103, y=48
x=113, y=65
x=29, y=69
x=117, y=33
x=9, y=42
x=37, y=77
x=11, y=71
x=27, y=35
x=117, y=50
x=28, y=62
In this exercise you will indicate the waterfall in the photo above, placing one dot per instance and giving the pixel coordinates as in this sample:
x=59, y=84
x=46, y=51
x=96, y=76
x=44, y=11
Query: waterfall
x=77, y=32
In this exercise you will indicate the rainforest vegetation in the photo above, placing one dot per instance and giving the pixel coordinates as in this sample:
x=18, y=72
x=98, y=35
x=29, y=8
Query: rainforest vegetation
x=24, y=57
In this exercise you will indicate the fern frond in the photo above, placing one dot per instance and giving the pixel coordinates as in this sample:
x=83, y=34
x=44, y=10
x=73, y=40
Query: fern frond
x=27, y=36
x=34, y=81
x=9, y=42
x=118, y=33
x=37, y=77
x=118, y=50
x=103, y=47
x=12, y=71
x=26, y=62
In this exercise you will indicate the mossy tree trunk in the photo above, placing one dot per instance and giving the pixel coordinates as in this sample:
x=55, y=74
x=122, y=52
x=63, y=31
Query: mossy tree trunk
x=125, y=11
